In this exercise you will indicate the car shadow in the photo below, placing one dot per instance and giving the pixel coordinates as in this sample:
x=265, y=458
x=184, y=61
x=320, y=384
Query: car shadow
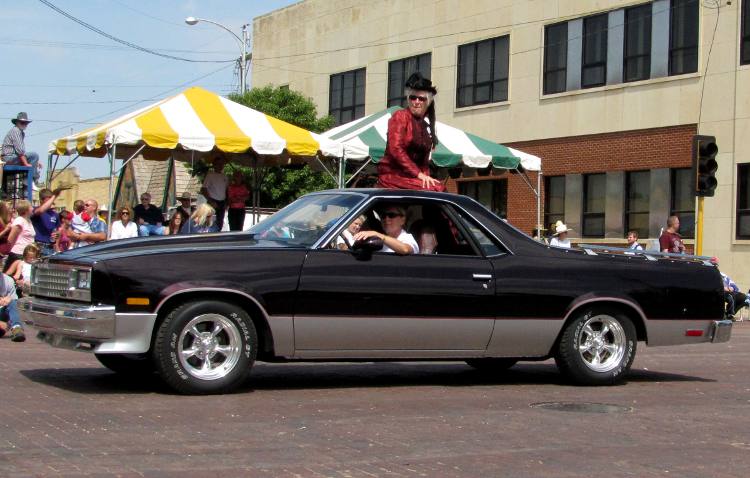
x=267, y=376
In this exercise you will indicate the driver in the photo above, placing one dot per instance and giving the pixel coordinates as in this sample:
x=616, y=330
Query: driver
x=396, y=239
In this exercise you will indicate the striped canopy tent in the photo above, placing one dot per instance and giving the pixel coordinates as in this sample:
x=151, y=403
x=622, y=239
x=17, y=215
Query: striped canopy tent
x=365, y=138
x=198, y=121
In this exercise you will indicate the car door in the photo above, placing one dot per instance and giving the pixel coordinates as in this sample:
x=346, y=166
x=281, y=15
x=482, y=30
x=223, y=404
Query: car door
x=393, y=306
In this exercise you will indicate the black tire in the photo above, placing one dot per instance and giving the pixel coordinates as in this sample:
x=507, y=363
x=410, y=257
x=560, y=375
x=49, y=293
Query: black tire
x=127, y=364
x=587, y=354
x=205, y=347
x=498, y=364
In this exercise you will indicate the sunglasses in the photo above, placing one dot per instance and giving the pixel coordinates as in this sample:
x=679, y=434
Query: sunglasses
x=391, y=215
x=417, y=97
x=124, y=213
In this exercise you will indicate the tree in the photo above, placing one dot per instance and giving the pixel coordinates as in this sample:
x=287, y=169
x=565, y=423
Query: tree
x=280, y=186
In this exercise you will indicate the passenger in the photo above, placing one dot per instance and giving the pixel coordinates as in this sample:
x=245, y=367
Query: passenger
x=175, y=223
x=427, y=240
x=202, y=220
x=395, y=239
x=22, y=233
x=346, y=238
x=20, y=270
x=62, y=236
x=124, y=228
x=560, y=237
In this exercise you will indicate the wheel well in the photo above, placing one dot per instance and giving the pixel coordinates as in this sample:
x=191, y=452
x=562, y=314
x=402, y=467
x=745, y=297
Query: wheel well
x=628, y=310
x=265, y=339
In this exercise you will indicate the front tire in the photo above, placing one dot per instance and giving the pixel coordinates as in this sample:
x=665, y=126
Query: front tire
x=597, y=347
x=205, y=347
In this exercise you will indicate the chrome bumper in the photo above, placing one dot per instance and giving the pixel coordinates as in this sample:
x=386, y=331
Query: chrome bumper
x=721, y=330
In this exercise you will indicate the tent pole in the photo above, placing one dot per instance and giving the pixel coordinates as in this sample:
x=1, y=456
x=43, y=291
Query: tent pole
x=112, y=155
x=342, y=168
x=131, y=158
x=49, y=170
x=539, y=224
x=359, y=170
x=64, y=167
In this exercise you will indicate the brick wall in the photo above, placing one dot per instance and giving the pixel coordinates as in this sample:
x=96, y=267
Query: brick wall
x=633, y=150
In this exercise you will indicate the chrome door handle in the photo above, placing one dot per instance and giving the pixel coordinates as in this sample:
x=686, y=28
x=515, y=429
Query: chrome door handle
x=482, y=276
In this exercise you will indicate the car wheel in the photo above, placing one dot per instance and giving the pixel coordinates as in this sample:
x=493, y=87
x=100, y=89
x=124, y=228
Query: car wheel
x=127, y=364
x=597, y=348
x=492, y=364
x=205, y=347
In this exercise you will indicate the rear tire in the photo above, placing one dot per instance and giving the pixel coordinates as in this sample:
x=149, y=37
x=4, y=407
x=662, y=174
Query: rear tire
x=597, y=347
x=492, y=364
x=205, y=347
x=127, y=364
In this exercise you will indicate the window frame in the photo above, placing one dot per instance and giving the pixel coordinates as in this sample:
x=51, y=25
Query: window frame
x=745, y=33
x=473, y=83
x=547, y=71
x=588, y=215
x=550, y=217
x=743, y=186
x=681, y=213
x=336, y=112
x=629, y=211
x=647, y=43
x=402, y=63
x=601, y=62
x=675, y=7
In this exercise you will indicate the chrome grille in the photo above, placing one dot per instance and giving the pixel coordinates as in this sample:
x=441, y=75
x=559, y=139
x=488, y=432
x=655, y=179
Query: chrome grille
x=58, y=281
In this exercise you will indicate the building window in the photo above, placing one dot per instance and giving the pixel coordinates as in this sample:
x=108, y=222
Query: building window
x=347, y=96
x=400, y=70
x=637, y=51
x=594, y=64
x=683, y=37
x=555, y=58
x=638, y=188
x=483, y=72
x=745, y=33
x=493, y=194
x=743, y=201
x=554, y=200
x=683, y=201
x=594, y=194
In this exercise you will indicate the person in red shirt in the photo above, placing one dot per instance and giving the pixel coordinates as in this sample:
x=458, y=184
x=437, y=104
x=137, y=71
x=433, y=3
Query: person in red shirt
x=237, y=195
x=406, y=162
x=670, y=240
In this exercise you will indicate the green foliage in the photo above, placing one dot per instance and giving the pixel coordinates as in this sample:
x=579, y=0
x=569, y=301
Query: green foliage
x=280, y=186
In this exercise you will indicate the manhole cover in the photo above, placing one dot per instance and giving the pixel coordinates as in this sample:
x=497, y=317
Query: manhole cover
x=582, y=407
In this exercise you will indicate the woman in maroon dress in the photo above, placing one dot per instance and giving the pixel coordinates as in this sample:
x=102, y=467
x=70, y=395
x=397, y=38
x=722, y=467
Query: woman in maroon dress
x=406, y=162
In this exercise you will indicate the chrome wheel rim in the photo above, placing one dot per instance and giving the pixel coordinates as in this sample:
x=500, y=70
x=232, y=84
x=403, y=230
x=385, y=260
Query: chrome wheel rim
x=601, y=343
x=209, y=346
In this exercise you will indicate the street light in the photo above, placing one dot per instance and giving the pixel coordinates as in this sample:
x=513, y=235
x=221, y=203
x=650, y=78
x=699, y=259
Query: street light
x=242, y=42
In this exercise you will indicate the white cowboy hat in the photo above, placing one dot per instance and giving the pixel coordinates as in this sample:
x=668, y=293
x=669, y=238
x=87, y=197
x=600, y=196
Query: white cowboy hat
x=560, y=228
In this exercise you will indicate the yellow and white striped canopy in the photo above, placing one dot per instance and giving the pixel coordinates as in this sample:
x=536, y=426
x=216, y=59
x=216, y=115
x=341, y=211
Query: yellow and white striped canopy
x=197, y=120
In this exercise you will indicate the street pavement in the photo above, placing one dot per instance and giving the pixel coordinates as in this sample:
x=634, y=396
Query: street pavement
x=685, y=412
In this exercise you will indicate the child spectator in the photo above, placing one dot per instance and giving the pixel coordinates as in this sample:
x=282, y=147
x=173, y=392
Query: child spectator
x=20, y=270
x=63, y=242
x=81, y=219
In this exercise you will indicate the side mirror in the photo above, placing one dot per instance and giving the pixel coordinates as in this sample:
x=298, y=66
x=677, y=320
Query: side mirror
x=363, y=249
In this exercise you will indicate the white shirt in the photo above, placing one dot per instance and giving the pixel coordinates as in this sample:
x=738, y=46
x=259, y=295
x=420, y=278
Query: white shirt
x=349, y=239
x=565, y=243
x=635, y=246
x=406, y=238
x=216, y=185
x=120, y=231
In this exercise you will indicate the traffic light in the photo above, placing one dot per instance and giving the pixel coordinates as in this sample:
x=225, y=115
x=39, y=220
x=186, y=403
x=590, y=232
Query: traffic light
x=705, y=165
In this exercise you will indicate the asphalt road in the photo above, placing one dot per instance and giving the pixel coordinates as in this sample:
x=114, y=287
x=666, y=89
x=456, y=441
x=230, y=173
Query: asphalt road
x=685, y=412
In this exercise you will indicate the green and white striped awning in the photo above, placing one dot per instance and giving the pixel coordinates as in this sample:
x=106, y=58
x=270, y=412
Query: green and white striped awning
x=365, y=138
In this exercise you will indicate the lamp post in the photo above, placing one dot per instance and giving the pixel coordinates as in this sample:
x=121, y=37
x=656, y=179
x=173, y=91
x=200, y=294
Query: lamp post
x=242, y=42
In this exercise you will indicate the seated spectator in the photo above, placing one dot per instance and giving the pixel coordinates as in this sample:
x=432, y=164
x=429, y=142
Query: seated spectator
x=202, y=220
x=175, y=223
x=9, y=318
x=124, y=228
x=20, y=270
x=395, y=239
x=633, y=241
x=62, y=236
x=346, y=238
x=185, y=207
x=149, y=217
x=103, y=214
x=97, y=227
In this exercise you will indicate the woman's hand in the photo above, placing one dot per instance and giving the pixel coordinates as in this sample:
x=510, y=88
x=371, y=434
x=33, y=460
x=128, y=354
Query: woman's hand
x=362, y=235
x=428, y=182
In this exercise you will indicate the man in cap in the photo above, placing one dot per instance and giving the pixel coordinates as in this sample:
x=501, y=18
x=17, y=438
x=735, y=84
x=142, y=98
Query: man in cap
x=185, y=207
x=14, y=149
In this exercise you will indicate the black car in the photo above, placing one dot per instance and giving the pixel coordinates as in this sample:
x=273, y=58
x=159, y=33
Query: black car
x=200, y=309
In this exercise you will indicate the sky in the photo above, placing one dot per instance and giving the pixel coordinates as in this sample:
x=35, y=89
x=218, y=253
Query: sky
x=69, y=78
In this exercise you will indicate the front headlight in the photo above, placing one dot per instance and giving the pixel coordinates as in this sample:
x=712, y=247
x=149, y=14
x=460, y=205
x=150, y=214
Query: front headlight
x=84, y=279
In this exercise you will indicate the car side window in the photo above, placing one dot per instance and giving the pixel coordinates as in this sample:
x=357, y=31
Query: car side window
x=487, y=245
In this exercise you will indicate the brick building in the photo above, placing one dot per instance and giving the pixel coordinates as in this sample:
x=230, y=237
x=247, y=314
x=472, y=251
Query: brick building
x=609, y=93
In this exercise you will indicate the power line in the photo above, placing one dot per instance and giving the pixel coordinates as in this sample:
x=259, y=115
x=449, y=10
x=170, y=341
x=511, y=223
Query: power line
x=124, y=42
x=93, y=46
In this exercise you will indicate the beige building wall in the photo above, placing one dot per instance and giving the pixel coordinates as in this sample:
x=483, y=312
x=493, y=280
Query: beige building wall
x=302, y=45
x=95, y=188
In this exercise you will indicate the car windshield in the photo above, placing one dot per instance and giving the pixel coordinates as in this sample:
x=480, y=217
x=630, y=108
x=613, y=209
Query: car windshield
x=305, y=221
